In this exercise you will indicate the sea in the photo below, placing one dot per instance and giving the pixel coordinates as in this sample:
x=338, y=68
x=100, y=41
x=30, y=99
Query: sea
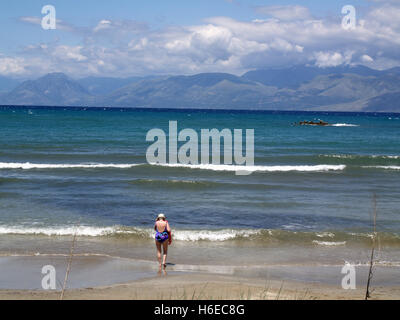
x=310, y=197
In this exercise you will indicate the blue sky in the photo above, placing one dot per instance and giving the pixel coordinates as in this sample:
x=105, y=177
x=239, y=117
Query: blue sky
x=157, y=13
x=190, y=36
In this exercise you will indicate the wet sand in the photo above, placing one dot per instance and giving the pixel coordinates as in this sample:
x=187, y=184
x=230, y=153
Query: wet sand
x=120, y=268
x=106, y=277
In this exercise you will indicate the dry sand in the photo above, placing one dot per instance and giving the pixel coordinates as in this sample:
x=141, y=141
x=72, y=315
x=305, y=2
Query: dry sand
x=206, y=286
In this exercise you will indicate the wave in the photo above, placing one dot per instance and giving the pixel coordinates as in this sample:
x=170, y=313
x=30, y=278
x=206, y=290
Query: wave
x=275, y=168
x=261, y=236
x=212, y=167
x=329, y=243
x=28, y=165
x=384, y=167
x=364, y=161
x=356, y=156
x=344, y=125
x=211, y=235
x=91, y=231
x=58, y=230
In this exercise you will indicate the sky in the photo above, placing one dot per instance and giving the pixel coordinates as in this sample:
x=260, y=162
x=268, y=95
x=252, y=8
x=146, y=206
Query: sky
x=122, y=38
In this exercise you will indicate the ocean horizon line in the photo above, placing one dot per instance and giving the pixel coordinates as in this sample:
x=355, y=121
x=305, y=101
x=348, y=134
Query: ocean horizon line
x=198, y=110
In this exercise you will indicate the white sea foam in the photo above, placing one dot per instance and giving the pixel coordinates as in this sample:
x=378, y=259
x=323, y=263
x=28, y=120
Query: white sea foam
x=91, y=231
x=388, y=263
x=357, y=234
x=353, y=156
x=329, y=243
x=212, y=235
x=340, y=156
x=381, y=263
x=384, y=167
x=214, y=167
x=325, y=234
x=58, y=230
x=28, y=165
x=295, y=226
x=344, y=125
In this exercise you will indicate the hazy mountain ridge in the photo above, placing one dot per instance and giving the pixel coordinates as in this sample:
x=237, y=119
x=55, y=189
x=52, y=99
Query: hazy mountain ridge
x=293, y=77
x=106, y=85
x=341, y=88
x=215, y=90
x=52, y=89
x=7, y=84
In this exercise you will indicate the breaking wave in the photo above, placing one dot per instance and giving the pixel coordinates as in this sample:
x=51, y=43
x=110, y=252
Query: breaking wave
x=344, y=125
x=356, y=156
x=213, y=167
x=277, y=168
x=28, y=165
x=384, y=167
x=329, y=243
x=261, y=236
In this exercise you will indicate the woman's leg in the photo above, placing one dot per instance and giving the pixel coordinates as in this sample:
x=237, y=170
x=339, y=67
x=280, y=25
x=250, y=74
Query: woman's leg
x=165, y=249
x=158, y=245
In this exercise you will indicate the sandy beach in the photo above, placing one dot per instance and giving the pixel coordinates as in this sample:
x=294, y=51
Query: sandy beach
x=105, y=277
x=206, y=286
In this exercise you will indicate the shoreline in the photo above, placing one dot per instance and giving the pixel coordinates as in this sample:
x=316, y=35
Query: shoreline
x=107, y=262
x=102, y=277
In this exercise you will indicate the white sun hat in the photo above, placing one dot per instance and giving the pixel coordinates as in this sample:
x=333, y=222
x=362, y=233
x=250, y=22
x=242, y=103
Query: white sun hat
x=161, y=216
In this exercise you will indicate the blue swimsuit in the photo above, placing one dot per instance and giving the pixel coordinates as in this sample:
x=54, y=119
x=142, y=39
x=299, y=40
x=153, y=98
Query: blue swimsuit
x=161, y=236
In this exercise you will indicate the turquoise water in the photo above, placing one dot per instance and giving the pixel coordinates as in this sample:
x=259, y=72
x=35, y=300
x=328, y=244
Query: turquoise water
x=55, y=173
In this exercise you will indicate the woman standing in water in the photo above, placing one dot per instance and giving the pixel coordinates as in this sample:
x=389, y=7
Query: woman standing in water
x=163, y=238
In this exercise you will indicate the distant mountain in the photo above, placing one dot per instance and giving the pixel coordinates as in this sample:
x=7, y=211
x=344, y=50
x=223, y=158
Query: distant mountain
x=6, y=84
x=54, y=89
x=105, y=85
x=340, y=92
x=293, y=77
x=218, y=90
x=343, y=88
x=395, y=70
x=349, y=87
x=387, y=102
x=205, y=90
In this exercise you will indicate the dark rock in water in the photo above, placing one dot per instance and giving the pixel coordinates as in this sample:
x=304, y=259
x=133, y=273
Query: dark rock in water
x=313, y=123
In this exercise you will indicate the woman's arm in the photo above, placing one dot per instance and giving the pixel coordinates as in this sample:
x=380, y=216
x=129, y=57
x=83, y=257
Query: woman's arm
x=169, y=233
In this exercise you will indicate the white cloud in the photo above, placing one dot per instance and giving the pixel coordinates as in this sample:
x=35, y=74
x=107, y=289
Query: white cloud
x=221, y=44
x=328, y=59
x=366, y=58
x=60, y=25
x=63, y=52
x=103, y=24
x=11, y=66
x=31, y=20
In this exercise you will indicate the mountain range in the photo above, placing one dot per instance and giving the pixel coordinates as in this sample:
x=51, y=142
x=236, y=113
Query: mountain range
x=342, y=88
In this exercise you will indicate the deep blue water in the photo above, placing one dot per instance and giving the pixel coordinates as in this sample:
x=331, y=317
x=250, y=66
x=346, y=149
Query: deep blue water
x=42, y=198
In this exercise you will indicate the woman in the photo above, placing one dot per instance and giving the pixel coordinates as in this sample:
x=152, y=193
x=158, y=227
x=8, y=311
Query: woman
x=163, y=238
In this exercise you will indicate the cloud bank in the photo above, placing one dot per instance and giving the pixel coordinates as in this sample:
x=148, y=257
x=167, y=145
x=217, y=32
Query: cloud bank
x=287, y=35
